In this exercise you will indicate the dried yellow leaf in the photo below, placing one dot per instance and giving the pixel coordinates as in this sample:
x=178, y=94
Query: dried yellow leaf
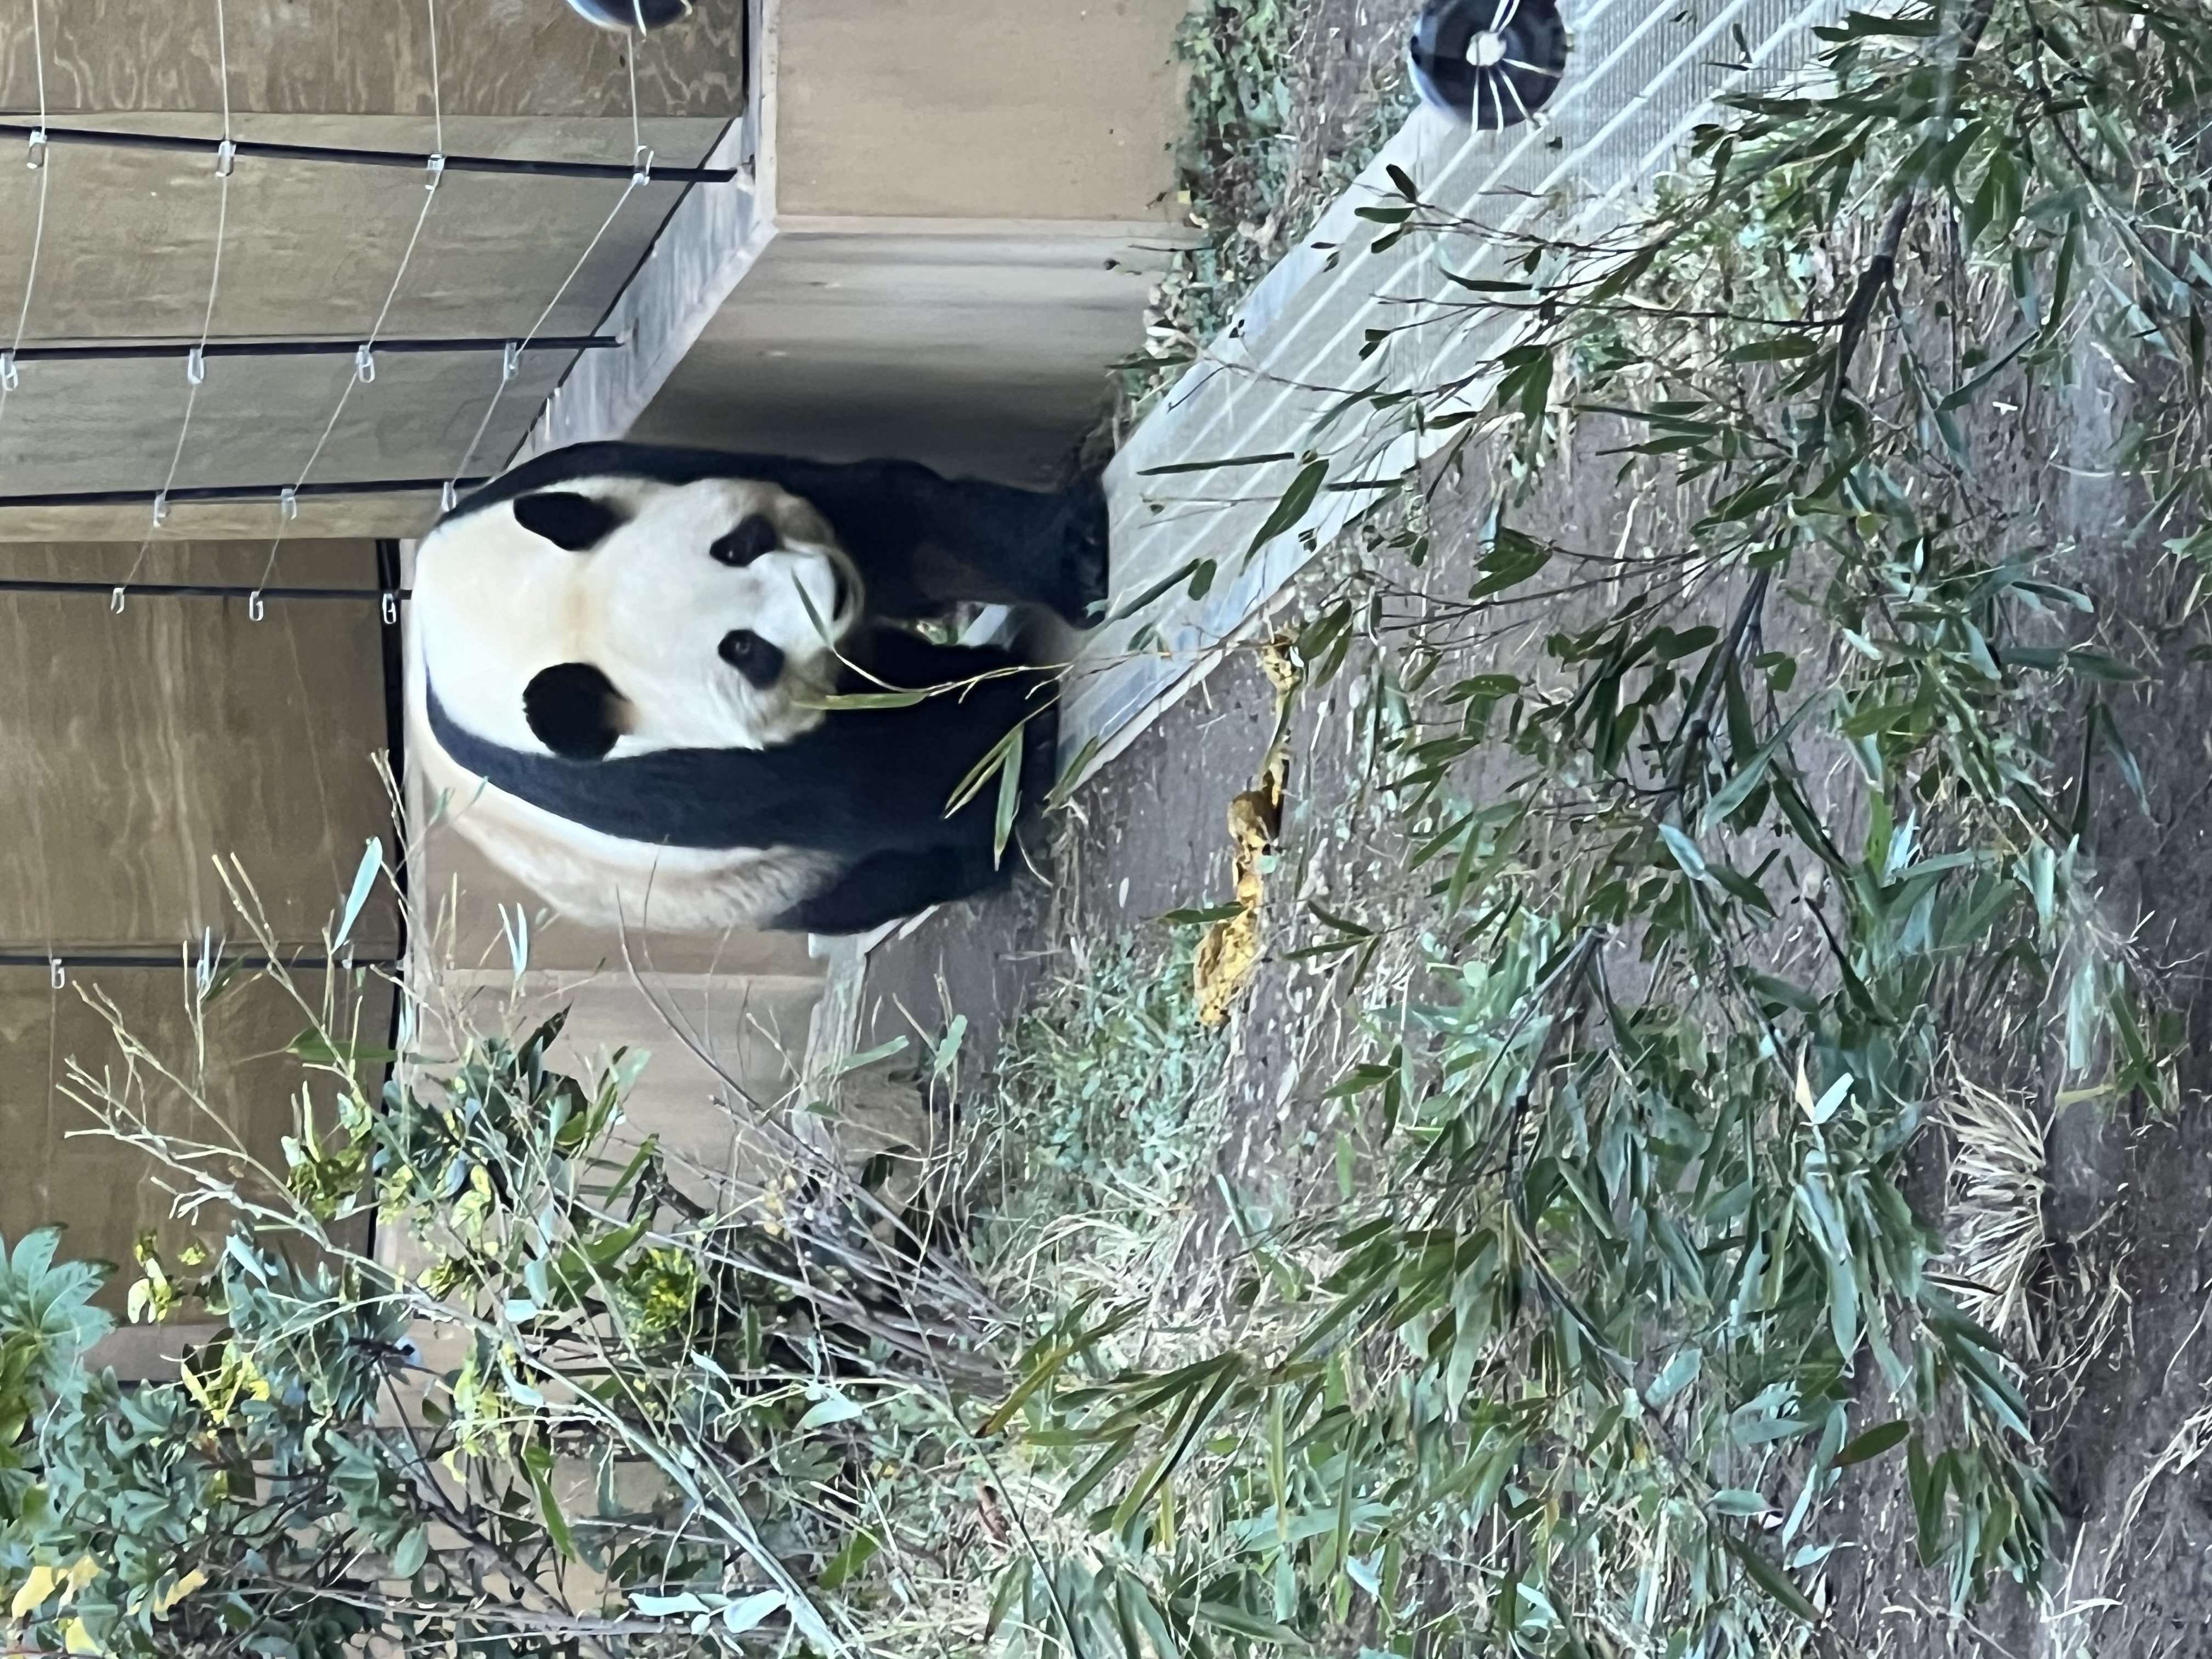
x=178, y=1591
x=42, y=1584
x=1231, y=951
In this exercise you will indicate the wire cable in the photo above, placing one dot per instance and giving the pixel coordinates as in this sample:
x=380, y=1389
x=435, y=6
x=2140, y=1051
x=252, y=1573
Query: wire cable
x=41, y=158
x=364, y=363
x=642, y=173
x=196, y=362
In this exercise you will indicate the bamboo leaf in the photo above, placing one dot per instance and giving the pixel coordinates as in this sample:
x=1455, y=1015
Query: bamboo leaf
x=1295, y=502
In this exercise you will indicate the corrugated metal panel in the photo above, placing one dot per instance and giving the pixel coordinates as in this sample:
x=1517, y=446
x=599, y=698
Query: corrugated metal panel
x=1643, y=74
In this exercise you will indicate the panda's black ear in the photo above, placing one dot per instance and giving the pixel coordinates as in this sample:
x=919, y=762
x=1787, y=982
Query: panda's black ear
x=577, y=523
x=575, y=711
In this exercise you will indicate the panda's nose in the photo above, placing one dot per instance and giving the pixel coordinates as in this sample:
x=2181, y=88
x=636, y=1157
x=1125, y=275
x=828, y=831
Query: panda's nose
x=761, y=663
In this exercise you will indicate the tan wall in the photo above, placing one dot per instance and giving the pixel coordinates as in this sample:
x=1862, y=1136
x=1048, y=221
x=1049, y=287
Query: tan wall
x=367, y=56
x=980, y=353
x=978, y=109
x=138, y=748
x=311, y=249
x=106, y=1196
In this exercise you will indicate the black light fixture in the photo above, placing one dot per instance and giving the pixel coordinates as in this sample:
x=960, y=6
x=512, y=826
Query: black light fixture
x=1492, y=64
x=636, y=15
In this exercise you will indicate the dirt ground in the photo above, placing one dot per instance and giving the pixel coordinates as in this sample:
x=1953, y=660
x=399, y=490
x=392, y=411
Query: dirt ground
x=2128, y=1427
x=1148, y=836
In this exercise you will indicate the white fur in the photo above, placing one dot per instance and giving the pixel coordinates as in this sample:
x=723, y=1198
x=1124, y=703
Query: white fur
x=600, y=880
x=496, y=604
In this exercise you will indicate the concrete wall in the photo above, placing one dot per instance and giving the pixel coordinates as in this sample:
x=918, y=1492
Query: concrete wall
x=1048, y=110
x=956, y=212
x=979, y=352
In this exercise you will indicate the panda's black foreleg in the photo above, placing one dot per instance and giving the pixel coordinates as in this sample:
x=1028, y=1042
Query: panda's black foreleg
x=1011, y=547
x=886, y=886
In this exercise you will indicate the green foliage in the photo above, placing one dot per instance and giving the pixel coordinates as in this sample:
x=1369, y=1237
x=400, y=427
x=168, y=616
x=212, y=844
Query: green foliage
x=590, y=1416
x=1112, y=1077
x=1253, y=187
x=1633, y=1307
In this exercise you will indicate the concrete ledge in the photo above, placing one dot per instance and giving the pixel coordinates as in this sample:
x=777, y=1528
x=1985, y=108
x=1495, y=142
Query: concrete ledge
x=1641, y=78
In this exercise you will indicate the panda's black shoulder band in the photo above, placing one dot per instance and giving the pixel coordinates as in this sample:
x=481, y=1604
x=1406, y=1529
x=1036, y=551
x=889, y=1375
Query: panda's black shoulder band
x=864, y=781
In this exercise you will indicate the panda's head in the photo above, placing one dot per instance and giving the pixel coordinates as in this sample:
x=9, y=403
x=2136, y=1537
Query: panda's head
x=624, y=613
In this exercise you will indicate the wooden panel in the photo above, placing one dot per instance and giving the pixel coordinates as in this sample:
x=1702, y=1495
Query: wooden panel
x=332, y=517
x=107, y=1195
x=993, y=109
x=258, y=421
x=139, y=748
x=367, y=56
x=312, y=250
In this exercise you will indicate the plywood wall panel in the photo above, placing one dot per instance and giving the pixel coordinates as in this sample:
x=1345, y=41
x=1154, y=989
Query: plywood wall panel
x=78, y=426
x=138, y=748
x=368, y=57
x=60, y=1170
x=328, y=518
x=312, y=250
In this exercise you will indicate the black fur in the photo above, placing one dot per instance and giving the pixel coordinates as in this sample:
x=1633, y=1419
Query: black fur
x=751, y=539
x=869, y=786
x=575, y=523
x=921, y=541
x=574, y=710
x=760, y=662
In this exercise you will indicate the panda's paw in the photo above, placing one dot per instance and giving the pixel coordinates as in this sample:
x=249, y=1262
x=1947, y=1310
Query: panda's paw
x=1078, y=553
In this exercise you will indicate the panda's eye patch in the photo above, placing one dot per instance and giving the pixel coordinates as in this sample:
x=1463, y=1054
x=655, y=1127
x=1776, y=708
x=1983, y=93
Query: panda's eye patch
x=751, y=539
x=761, y=663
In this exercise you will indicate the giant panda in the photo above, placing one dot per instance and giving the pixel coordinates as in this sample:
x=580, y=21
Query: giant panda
x=617, y=653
